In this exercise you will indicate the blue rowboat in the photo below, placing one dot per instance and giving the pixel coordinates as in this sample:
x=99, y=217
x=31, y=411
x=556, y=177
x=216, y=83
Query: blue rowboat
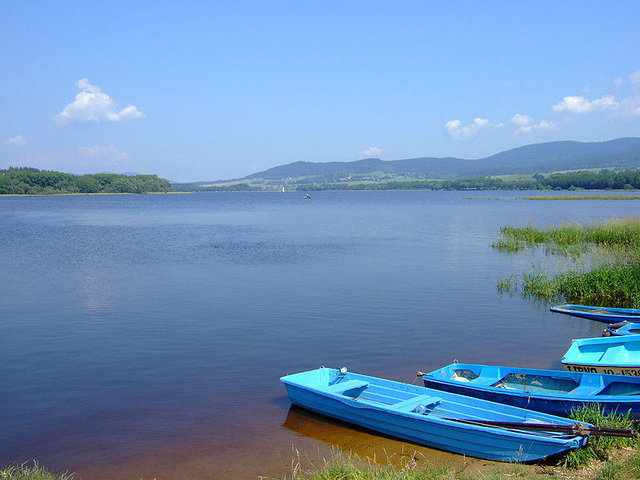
x=622, y=328
x=551, y=391
x=600, y=314
x=618, y=355
x=436, y=419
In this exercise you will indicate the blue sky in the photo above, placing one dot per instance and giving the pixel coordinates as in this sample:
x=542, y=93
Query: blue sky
x=206, y=90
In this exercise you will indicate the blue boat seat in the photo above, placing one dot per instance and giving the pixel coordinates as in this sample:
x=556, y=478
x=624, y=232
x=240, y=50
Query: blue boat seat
x=613, y=355
x=342, y=387
x=411, y=403
x=485, y=381
x=585, y=390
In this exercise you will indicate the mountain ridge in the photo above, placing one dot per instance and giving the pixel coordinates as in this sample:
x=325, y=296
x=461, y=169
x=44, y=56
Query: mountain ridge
x=534, y=158
x=565, y=155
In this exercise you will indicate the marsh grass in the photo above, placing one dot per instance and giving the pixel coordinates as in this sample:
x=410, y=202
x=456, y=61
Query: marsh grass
x=31, y=472
x=613, y=249
x=599, y=448
x=344, y=466
x=511, y=245
x=614, y=232
x=613, y=285
x=506, y=285
x=582, y=197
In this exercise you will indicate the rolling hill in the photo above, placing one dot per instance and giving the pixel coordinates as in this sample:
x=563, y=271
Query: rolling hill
x=541, y=158
x=622, y=153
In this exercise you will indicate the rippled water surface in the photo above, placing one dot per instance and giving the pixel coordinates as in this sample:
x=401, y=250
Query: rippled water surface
x=144, y=335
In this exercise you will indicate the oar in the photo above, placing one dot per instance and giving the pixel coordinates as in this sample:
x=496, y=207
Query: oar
x=575, y=428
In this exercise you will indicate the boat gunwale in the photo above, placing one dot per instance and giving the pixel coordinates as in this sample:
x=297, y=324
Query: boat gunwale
x=594, y=397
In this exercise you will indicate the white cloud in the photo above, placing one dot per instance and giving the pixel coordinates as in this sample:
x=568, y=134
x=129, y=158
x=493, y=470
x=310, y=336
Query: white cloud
x=17, y=141
x=105, y=154
x=628, y=88
x=457, y=132
x=92, y=105
x=630, y=106
x=543, y=125
x=521, y=120
x=582, y=105
x=526, y=124
x=632, y=79
x=370, y=152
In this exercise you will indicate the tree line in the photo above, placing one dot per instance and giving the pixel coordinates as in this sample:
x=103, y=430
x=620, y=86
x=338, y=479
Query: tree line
x=581, y=180
x=31, y=181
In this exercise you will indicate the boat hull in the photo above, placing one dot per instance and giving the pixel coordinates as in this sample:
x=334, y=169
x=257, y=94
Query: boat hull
x=599, y=314
x=431, y=427
x=527, y=389
x=618, y=355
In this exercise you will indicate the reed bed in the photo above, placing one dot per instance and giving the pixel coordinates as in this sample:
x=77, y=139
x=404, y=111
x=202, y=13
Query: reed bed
x=621, y=232
x=583, y=197
x=613, y=248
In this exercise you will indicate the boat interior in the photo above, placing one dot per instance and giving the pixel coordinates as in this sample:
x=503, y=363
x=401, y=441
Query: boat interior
x=395, y=399
x=545, y=383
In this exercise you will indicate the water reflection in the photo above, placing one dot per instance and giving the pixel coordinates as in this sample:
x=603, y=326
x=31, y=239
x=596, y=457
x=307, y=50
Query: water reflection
x=96, y=292
x=379, y=448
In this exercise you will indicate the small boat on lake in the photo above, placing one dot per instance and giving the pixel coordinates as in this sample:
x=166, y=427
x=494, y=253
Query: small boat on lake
x=622, y=328
x=619, y=355
x=557, y=392
x=437, y=419
x=600, y=314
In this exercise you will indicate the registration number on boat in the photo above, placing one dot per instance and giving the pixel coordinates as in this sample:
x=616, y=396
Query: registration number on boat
x=631, y=372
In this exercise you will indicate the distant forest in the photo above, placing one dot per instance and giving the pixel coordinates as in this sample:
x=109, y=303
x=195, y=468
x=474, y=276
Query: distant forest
x=581, y=180
x=31, y=181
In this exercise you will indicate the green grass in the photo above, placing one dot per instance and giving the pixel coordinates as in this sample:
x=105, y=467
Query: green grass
x=583, y=197
x=600, y=461
x=623, y=232
x=613, y=250
x=621, y=470
x=31, y=472
x=343, y=466
x=599, y=448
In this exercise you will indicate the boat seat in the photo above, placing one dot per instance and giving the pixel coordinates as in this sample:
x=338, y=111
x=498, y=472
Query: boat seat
x=585, y=390
x=613, y=355
x=413, y=402
x=486, y=381
x=342, y=387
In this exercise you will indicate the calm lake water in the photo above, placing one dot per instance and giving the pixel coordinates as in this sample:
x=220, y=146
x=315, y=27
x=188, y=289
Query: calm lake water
x=143, y=336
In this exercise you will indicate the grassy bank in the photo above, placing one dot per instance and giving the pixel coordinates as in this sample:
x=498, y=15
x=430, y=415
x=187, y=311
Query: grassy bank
x=583, y=197
x=31, y=472
x=612, y=274
x=345, y=467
